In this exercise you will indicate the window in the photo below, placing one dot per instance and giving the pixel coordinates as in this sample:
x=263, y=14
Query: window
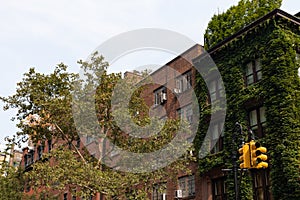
x=218, y=189
x=78, y=143
x=27, y=186
x=216, y=140
x=65, y=196
x=89, y=139
x=49, y=145
x=25, y=160
x=215, y=89
x=261, y=185
x=187, y=185
x=159, y=192
x=74, y=194
x=184, y=82
x=160, y=96
x=29, y=158
x=253, y=72
x=186, y=113
x=40, y=150
x=257, y=121
x=87, y=198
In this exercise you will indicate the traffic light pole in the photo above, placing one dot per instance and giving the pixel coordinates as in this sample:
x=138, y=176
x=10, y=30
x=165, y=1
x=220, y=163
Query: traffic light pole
x=235, y=172
x=235, y=169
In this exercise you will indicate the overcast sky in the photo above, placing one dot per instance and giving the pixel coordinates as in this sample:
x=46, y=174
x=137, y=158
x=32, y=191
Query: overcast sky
x=42, y=34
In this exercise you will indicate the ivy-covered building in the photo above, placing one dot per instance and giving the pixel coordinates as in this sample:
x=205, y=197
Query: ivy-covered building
x=259, y=66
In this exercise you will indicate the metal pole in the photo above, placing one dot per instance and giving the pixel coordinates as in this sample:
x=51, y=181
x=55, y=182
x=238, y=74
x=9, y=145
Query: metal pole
x=234, y=158
x=235, y=169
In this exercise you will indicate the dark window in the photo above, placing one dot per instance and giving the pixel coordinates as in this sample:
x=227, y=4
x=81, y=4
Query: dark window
x=70, y=145
x=78, y=141
x=49, y=145
x=186, y=113
x=253, y=72
x=27, y=186
x=257, y=120
x=216, y=140
x=29, y=158
x=160, y=96
x=216, y=91
x=40, y=150
x=187, y=185
x=159, y=192
x=73, y=194
x=218, y=189
x=89, y=139
x=261, y=185
x=25, y=160
x=65, y=196
x=184, y=82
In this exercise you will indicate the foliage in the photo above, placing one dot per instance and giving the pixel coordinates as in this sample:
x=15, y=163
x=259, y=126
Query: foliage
x=47, y=96
x=275, y=42
x=50, y=97
x=11, y=180
x=235, y=18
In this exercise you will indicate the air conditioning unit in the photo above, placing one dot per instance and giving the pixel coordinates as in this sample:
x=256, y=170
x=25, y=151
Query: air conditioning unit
x=191, y=152
x=177, y=91
x=163, y=97
x=164, y=196
x=178, y=193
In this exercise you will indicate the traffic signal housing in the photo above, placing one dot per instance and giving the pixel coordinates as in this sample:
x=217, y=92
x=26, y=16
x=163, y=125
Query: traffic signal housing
x=245, y=156
x=257, y=155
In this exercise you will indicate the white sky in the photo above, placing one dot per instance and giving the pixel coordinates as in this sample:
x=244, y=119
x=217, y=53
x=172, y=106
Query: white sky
x=42, y=34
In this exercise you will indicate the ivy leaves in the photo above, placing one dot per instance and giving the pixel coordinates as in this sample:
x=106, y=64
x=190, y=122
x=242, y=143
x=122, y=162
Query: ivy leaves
x=235, y=18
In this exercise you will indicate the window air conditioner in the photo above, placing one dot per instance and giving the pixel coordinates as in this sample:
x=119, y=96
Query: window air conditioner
x=163, y=97
x=178, y=193
x=164, y=196
x=177, y=91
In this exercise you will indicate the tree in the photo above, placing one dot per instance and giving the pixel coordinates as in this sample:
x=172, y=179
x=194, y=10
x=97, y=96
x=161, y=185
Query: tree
x=54, y=98
x=11, y=179
x=235, y=18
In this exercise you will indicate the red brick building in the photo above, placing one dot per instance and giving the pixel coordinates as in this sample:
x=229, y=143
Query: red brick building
x=170, y=96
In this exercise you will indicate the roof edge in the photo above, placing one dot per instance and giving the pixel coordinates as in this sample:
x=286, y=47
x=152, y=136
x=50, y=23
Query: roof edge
x=252, y=25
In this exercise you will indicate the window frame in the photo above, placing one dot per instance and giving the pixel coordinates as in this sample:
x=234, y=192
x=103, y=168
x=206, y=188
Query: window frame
x=157, y=191
x=218, y=145
x=49, y=142
x=187, y=185
x=184, y=82
x=261, y=185
x=259, y=126
x=40, y=151
x=65, y=196
x=215, y=186
x=186, y=113
x=215, y=90
x=29, y=158
x=158, y=93
x=256, y=71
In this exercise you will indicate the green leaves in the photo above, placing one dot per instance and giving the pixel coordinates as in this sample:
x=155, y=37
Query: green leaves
x=235, y=18
x=52, y=99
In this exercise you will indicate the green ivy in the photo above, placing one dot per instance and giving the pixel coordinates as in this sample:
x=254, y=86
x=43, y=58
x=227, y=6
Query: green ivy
x=236, y=17
x=275, y=42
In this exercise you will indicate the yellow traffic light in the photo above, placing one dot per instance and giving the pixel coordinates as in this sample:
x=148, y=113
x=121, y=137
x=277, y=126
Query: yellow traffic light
x=245, y=156
x=257, y=155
